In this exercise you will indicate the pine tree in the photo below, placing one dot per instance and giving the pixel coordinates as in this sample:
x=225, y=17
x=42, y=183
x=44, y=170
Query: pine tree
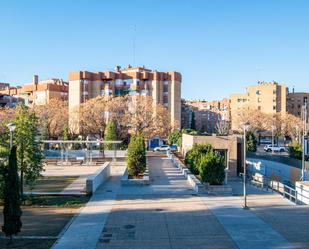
x=251, y=142
x=136, y=159
x=29, y=155
x=110, y=134
x=193, y=126
x=12, y=211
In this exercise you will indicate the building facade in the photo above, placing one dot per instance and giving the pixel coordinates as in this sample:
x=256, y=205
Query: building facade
x=295, y=103
x=269, y=98
x=39, y=92
x=164, y=87
x=207, y=114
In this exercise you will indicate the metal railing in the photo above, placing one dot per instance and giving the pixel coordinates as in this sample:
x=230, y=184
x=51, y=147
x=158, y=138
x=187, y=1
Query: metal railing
x=288, y=192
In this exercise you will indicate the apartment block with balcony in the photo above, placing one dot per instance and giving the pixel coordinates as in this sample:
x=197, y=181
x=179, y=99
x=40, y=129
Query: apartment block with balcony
x=266, y=97
x=39, y=92
x=164, y=87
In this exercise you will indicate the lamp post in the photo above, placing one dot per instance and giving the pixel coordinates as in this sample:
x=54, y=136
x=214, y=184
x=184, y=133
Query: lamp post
x=304, y=140
x=11, y=127
x=246, y=126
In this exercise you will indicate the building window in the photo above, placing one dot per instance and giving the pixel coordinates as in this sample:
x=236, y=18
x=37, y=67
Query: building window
x=259, y=108
x=274, y=107
x=124, y=83
x=259, y=100
x=258, y=92
x=274, y=91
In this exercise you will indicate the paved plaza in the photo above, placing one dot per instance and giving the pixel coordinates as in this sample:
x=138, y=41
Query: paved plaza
x=169, y=214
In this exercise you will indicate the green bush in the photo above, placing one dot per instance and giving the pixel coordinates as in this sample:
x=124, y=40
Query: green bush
x=110, y=134
x=251, y=141
x=136, y=159
x=193, y=156
x=211, y=168
x=295, y=150
x=175, y=137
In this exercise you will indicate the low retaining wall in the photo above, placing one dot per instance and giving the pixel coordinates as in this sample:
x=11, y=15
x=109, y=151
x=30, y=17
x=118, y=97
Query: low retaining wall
x=126, y=181
x=196, y=184
x=99, y=177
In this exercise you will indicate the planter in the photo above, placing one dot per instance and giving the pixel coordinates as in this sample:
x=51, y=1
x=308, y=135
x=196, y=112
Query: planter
x=126, y=181
x=219, y=189
x=196, y=184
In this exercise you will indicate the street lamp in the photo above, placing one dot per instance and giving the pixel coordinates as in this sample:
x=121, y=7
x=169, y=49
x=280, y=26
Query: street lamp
x=11, y=127
x=246, y=126
x=304, y=140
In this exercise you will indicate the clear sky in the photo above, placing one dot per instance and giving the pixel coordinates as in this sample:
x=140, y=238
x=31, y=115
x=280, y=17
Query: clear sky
x=218, y=46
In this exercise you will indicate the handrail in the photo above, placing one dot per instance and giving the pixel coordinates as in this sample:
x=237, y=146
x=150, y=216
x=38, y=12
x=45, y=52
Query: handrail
x=286, y=191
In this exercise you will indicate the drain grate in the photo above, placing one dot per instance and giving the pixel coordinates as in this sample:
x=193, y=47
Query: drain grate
x=129, y=226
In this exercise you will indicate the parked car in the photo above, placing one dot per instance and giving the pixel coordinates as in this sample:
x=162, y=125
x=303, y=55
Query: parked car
x=265, y=141
x=162, y=148
x=270, y=148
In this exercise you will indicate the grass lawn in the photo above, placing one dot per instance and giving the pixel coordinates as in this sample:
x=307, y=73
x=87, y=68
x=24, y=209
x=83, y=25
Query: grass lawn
x=51, y=184
x=44, y=216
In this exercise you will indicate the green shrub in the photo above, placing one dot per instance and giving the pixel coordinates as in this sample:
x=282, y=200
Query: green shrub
x=193, y=156
x=296, y=150
x=136, y=159
x=175, y=138
x=251, y=141
x=110, y=134
x=211, y=168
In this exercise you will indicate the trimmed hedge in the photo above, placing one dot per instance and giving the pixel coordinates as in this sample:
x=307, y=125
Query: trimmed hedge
x=211, y=168
x=136, y=159
x=207, y=163
x=193, y=156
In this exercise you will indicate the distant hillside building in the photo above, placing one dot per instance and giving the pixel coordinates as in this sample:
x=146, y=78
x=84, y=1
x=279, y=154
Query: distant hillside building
x=164, y=87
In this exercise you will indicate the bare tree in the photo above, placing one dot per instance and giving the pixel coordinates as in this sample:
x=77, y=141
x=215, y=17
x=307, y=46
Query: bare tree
x=223, y=127
x=53, y=117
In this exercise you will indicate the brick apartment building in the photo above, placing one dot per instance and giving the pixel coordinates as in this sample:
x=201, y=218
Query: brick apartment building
x=164, y=87
x=38, y=92
x=295, y=102
x=266, y=97
x=207, y=114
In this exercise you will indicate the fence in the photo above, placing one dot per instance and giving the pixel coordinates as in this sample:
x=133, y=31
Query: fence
x=289, y=192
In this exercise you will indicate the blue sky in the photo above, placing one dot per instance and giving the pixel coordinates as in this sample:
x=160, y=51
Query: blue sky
x=219, y=46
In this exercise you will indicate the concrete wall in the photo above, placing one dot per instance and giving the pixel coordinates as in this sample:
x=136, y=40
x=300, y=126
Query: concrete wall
x=228, y=143
x=302, y=189
x=98, y=178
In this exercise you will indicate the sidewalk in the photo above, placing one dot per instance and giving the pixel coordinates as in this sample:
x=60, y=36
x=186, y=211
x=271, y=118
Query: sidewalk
x=86, y=228
x=169, y=214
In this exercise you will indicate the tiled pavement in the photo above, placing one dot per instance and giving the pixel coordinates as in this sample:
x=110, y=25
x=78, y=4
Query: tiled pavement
x=168, y=214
